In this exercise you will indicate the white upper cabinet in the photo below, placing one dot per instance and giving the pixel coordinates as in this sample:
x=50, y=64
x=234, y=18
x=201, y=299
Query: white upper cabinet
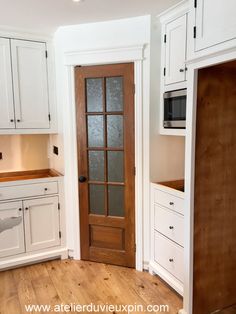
x=41, y=223
x=215, y=22
x=6, y=94
x=11, y=229
x=175, y=52
x=30, y=83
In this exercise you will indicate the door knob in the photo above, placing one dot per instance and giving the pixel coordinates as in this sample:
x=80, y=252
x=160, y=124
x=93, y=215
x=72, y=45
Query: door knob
x=82, y=179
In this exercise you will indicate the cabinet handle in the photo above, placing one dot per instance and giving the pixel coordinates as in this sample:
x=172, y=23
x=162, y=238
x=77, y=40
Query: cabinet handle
x=186, y=69
x=181, y=70
x=45, y=189
x=20, y=209
x=12, y=120
x=18, y=120
x=171, y=260
x=171, y=227
x=172, y=203
x=26, y=208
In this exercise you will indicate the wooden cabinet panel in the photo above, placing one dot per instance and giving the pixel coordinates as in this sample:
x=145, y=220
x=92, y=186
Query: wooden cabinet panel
x=6, y=93
x=29, y=67
x=176, y=35
x=215, y=22
x=41, y=223
x=11, y=229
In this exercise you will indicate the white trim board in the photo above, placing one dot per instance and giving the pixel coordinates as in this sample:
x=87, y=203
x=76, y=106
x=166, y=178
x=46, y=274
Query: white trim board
x=111, y=55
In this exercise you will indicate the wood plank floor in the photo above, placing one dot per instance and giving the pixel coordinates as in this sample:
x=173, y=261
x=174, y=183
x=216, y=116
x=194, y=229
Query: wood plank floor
x=80, y=282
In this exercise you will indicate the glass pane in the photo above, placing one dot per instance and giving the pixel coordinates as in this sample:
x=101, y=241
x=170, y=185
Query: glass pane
x=114, y=93
x=116, y=201
x=94, y=95
x=96, y=166
x=115, y=166
x=97, y=199
x=114, y=131
x=95, y=131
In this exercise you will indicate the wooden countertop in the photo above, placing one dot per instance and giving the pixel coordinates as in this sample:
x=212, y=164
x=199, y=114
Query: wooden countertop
x=177, y=184
x=28, y=175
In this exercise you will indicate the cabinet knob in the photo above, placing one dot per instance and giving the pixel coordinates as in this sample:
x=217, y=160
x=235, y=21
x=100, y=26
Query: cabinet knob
x=181, y=70
x=12, y=120
x=171, y=260
x=45, y=189
x=172, y=203
x=20, y=209
x=171, y=227
x=186, y=69
x=26, y=208
x=18, y=120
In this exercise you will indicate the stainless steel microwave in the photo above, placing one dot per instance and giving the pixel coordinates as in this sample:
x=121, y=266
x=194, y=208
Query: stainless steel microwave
x=175, y=109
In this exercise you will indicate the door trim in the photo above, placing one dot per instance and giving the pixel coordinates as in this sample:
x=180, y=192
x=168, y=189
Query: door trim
x=113, y=55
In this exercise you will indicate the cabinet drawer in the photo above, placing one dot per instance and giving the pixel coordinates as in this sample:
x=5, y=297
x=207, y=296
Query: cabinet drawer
x=169, y=255
x=28, y=190
x=170, y=224
x=169, y=201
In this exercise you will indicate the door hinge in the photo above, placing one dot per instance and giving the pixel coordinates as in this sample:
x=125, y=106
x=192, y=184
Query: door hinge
x=195, y=4
x=164, y=71
x=194, y=32
x=49, y=117
x=165, y=38
x=46, y=54
x=59, y=206
x=59, y=234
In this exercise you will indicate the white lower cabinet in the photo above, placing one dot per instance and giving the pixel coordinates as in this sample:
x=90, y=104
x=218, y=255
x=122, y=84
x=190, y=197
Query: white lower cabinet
x=11, y=229
x=31, y=227
x=167, y=235
x=41, y=223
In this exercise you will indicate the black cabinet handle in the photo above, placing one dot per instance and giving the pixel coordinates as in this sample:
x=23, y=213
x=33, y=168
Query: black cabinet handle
x=26, y=208
x=12, y=120
x=82, y=179
x=171, y=260
x=172, y=203
x=171, y=227
x=20, y=209
x=45, y=189
x=18, y=120
x=181, y=70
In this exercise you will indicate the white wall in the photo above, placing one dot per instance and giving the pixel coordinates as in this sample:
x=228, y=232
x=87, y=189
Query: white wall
x=166, y=152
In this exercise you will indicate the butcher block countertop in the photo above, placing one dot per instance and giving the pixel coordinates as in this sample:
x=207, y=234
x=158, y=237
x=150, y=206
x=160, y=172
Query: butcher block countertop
x=28, y=175
x=176, y=185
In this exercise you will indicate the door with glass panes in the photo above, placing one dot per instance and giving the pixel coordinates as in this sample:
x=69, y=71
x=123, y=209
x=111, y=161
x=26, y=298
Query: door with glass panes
x=106, y=162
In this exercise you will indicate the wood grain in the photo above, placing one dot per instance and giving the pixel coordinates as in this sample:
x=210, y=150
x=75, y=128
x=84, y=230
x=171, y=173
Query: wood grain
x=81, y=282
x=215, y=191
x=177, y=184
x=122, y=253
x=28, y=175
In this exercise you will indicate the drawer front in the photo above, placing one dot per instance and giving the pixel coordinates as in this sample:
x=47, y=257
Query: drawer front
x=169, y=201
x=170, y=224
x=28, y=190
x=170, y=256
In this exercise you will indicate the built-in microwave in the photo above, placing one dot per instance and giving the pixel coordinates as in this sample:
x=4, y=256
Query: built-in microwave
x=175, y=109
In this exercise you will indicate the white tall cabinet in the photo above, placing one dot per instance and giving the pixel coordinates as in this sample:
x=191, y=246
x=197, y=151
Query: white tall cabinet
x=175, y=50
x=6, y=88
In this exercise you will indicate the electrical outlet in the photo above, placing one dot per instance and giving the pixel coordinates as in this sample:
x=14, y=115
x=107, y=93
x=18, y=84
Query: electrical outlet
x=55, y=150
x=0, y=156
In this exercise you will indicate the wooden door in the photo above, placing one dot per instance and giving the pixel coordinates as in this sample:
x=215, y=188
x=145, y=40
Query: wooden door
x=214, y=274
x=7, y=118
x=11, y=229
x=215, y=22
x=42, y=224
x=176, y=35
x=105, y=131
x=29, y=65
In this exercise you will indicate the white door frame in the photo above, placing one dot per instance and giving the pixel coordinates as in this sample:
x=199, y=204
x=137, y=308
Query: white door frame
x=193, y=67
x=113, y=55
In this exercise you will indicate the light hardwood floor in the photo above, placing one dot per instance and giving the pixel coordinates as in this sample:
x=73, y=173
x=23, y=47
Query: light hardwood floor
x=81, y=282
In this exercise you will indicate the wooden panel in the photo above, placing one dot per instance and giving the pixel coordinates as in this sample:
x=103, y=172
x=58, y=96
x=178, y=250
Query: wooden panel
x=28, y=175
x=215, y=190
x=107, y=237
x=177, y=185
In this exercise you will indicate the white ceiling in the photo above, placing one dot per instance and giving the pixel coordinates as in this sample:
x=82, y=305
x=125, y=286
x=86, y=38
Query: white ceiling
x=45, y=16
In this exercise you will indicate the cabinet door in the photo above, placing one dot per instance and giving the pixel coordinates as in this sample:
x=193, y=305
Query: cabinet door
x=6, y=92
x=215, y=22
x=11, y=229
x=176, y=34
x=30, y=84
x=41, y=223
